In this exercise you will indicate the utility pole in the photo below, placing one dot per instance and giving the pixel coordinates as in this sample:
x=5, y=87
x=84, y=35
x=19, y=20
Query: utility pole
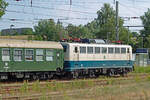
x=117, y=22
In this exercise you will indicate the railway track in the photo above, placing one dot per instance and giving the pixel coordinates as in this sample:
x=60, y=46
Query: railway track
x=19, y=90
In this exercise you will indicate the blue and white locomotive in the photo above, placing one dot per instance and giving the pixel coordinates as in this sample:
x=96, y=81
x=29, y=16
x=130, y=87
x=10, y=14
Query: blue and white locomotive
x=84, y=59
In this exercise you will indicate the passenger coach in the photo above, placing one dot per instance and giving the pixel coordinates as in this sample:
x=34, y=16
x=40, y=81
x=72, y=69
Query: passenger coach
x=30, y=59
x=82, y=59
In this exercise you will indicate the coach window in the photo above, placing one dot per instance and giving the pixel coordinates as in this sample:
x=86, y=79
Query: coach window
x=39, y=54
x=49, y=55
x=90, y=50
x=117, y=50
x=17, y=55
x=97, y=49
x=29, y=54
x=123, y=50
x=104, y=50
x=5, y=54
x=110, y=50
x=82, y=49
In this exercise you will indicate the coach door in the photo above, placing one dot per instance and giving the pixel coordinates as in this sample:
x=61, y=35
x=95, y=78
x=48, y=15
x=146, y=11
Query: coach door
x=76, y=56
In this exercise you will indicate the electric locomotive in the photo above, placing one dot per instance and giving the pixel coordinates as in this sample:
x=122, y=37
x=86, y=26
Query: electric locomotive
x=92, y=60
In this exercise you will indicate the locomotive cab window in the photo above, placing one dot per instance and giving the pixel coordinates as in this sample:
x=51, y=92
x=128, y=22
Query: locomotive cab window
x=104, y=50
x=29, y=54
x=117, y=50
x=97, y=49
x=5, y=54
x=17, y=55
x=39, y=54
x=49, y=55
x=82, y=49
x=90, y=50
x=123, y=50
x=111, y=50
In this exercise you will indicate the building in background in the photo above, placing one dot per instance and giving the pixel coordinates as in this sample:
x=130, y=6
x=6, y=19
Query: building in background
x=142, y=57
x=16, y=31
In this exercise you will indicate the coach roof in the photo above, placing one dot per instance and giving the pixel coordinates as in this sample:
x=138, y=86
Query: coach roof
x=29, y=44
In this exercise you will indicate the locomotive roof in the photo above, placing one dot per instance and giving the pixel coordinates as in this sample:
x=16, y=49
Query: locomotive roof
x=94, y=44
x=29, y=44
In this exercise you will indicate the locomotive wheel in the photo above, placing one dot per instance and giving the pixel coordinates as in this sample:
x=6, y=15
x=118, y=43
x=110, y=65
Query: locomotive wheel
x=96, y=75
x=124, y=74
x=109, y=73
x=91, y=74
x=75, y=75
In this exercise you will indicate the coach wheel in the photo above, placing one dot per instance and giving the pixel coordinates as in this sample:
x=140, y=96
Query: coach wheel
x=34, y=77
x=58, y=70
x=50, y=76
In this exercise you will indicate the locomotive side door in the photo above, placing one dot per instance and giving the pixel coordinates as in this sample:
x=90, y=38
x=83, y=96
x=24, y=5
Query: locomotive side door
x=129, y=56
x=76, y=56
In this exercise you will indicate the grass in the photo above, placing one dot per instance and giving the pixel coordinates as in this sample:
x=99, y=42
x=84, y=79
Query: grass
x=111, y=92
x=86, y=89
x=24, y=88
x=141, y=69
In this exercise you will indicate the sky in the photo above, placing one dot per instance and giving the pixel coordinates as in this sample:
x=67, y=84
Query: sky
x=27, y=13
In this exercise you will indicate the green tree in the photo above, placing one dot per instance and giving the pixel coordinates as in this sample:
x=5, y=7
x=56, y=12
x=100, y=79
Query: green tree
x=104, y=25
x=84, y=32
x=147, y=44
x=93, y=28
x=73, y=31
x=3, y=6
x=48, y=30
x=146, y=22
x=106, y=22
x=146, y=31
x=79, y=31
x=27, y=31
x=61, y=30
x=135, y=34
